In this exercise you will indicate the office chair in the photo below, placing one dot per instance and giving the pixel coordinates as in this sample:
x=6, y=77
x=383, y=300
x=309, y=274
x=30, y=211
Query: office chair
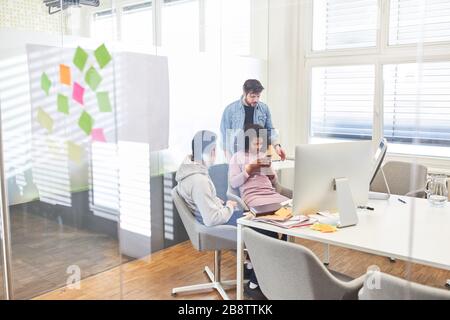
x=289, y=271
x=399, y=179
x=381, y=286
x=205, y=238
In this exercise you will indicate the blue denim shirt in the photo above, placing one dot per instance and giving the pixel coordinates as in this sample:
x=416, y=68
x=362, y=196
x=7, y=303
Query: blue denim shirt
x=234, y=117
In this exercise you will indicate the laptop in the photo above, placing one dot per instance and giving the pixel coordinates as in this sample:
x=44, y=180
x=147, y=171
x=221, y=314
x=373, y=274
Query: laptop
x=265, y=209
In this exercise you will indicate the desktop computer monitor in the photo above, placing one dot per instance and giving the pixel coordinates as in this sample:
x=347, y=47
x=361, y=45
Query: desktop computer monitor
x=332, y=177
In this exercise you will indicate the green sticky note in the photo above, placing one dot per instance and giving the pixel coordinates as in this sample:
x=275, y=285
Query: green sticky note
x=86, y=122
x=104, y=103
x=102, y=55
x=45, y=120
x=45, y=83
x=63, y=104
x=80, y=58
x=75, y=152
x=93, y=78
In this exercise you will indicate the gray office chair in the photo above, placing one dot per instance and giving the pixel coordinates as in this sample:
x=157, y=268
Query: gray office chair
x=205, y=238
x=381, y=286
x=399, y=179
x=289, y=271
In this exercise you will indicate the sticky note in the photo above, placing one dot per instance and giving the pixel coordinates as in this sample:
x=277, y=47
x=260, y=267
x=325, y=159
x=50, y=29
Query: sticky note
x=86, y=122
x=75, y=152
x=104, y=104
x=63, y=103
x=97, y=134
x=80, y=58
x=78, y=93
x=45, y=83
x=324, y=228
x=65, y=75
x=93, y=78
x=102, y=55
x=45, y=120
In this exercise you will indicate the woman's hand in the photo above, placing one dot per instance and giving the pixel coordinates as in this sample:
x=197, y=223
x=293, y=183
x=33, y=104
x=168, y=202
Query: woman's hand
x=253, y=167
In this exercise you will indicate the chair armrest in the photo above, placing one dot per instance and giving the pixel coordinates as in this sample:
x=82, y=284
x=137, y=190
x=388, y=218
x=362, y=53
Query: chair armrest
x=283, y=191
x=353, y=287
x=238, y=199
x=420, y=193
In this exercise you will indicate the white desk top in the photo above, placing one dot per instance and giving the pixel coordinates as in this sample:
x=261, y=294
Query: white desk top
x=413, y=232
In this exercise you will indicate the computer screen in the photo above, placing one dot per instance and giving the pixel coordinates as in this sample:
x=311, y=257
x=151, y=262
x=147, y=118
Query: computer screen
x=378, y=158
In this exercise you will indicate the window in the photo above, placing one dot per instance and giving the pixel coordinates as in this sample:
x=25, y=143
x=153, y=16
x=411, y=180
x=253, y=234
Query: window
x=137, y=24
x=180, y=25
x=236, y=27
x=410, y=20
x=342, y=102
x=384, y=92
x=342, y=24
x=103, y=25
x=417, y=109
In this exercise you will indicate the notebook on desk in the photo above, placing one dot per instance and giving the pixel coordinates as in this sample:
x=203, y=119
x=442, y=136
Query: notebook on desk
x=265, y=209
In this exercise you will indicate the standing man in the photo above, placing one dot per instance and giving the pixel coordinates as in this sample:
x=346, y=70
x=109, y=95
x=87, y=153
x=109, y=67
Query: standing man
x=247, y=110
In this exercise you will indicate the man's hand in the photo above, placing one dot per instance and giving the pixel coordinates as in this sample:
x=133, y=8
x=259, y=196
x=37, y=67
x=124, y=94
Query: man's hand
x=232, y=204
x=280, y=152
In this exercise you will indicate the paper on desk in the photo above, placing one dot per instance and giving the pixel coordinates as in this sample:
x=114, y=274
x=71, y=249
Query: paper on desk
x=293, y=222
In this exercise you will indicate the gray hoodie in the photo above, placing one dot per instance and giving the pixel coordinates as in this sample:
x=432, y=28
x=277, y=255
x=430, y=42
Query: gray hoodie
x=199, y=193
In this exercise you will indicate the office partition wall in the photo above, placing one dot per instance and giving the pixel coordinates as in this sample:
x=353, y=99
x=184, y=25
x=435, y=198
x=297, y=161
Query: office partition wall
x=88, y=193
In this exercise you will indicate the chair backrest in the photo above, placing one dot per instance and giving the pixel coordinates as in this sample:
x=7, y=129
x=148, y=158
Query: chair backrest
x=290, y=271
x=399, y=178
x=189, y=221
x=219, y=177
x=381, y=286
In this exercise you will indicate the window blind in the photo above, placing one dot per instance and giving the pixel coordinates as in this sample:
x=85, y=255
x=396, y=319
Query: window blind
x=342, y=101
x=414, y=20
x=417, y=110
x=340, y=24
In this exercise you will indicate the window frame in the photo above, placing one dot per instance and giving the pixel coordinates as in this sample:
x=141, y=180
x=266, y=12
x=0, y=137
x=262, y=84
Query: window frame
x=379, y=56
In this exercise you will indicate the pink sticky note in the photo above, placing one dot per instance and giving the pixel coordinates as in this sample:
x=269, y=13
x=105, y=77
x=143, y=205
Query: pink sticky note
x=78, y=93
x=98, y=135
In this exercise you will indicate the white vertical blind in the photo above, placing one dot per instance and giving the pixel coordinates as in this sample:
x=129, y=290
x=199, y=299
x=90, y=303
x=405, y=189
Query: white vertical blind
x=412, y=19
x=342, y=102
x=417, y=110
x=340, y=24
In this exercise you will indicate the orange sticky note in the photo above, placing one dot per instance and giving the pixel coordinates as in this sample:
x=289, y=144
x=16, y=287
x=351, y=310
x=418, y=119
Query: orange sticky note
x=64, y=75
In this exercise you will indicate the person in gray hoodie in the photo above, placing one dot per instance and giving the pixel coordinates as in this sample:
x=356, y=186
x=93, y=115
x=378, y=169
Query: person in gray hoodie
x=196, y=187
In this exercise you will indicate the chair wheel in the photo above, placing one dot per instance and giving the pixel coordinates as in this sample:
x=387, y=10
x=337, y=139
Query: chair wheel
x=392, y=260
x=326, y=264
x=173, y=294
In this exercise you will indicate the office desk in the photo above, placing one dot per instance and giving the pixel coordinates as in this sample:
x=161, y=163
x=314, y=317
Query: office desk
x=414, y=232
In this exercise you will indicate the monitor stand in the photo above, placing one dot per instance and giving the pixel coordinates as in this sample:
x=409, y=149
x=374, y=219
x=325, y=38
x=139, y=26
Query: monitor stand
x=345, y=204
x=380, y=195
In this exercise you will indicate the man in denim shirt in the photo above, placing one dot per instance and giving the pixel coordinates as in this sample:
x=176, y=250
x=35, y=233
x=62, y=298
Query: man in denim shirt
x=247, y=110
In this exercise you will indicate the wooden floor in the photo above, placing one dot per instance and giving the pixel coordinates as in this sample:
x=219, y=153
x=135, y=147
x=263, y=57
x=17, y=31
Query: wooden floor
x=182, y=265
x=43, y=249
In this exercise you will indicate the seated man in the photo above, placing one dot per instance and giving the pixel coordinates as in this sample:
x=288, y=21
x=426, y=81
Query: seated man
x=197, y=189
